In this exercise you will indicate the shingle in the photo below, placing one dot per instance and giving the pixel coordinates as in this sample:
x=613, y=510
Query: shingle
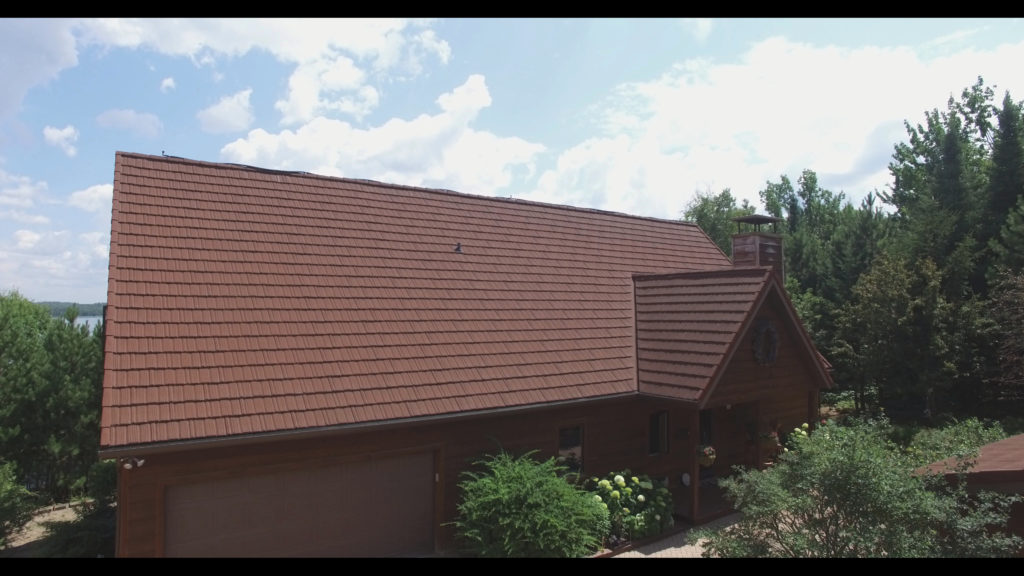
x=228, y=283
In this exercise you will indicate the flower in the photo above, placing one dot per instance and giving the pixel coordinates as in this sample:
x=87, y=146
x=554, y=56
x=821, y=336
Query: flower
x=597, y=498
x=635, y=480
x=615, y=494
x=706, y=450
x=640, y=498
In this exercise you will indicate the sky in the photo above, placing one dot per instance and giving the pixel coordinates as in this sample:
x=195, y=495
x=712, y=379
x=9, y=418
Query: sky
x=629, y=115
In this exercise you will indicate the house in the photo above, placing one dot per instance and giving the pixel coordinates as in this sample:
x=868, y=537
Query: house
x=298, y=365
x=998, y=467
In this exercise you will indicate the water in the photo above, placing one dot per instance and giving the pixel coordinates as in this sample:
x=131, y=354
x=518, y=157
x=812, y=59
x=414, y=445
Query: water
x=91, y=321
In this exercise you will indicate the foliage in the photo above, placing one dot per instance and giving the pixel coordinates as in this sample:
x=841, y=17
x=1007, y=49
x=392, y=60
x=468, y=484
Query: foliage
x=637, y=506
x=16, y=503
x=518, y=507
x=714, y=214
x=1007, y=307
x=51, y=374
x=960, y=439
x=850, y=491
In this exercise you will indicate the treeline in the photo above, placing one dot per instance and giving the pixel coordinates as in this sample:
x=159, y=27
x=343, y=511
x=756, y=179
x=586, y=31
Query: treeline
x=58, y=309
x=916, y=295
x=51, y=374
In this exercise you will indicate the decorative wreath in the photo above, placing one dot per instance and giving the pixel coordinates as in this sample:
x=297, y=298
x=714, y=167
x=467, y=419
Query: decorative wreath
x=766, y=343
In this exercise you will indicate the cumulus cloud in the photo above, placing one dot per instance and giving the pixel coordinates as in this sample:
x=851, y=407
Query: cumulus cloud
x=324, y=85
x=740, y=124
x=231, y=114
x=20, y=191
x=24, y=217
x=140, y=124
x=94, y=198
x=440, y=150
x=63, y=138
x=26, y=239
x=56, y=263
x=167, y=84
x=35, y=52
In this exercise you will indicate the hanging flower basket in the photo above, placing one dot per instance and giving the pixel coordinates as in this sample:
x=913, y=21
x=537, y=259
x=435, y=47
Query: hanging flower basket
x=769, y=443
x=706, y=455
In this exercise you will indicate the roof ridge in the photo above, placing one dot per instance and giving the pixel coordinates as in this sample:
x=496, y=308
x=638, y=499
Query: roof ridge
x=382, y=184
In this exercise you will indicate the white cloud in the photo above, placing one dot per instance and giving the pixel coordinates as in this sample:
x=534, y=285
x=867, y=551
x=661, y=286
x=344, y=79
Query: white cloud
x=24, y=217
x=782, y=108
x=440, y=150
x=333, y=57
x=317, y=87
x=231, y=114
x=35, y=51
x=94, y=198
x=699, y=28
x=64, y=138
x=26, y=239
x=167, y=84
x=19, y=191
x=141, y=124
x=54, y=264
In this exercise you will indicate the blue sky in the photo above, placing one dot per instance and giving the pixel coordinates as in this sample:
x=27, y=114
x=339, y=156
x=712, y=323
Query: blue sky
x=629, y=115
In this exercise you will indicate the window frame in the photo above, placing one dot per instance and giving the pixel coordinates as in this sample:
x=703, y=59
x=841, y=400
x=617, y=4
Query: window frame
x=657, y=433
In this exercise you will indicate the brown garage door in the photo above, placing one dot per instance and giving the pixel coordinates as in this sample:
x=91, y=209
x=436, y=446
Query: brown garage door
x=373, y=508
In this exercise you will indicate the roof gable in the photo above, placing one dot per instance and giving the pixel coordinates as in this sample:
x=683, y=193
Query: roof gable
x=244, y=301
x=690, y=325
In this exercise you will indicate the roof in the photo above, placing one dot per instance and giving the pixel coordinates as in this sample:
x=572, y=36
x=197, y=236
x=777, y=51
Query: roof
x=689, y=325
x=998, y=462
x=245, y=301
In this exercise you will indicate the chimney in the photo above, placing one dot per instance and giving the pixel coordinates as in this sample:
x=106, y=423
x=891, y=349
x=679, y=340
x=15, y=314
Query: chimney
x=757, y=247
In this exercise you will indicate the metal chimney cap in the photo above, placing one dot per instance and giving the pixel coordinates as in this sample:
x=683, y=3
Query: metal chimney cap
x=756, y=220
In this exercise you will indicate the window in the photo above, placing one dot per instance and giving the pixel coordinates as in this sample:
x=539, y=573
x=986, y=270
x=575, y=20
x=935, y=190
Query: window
x=570, y=448
x=658, y=435
x=705, y=427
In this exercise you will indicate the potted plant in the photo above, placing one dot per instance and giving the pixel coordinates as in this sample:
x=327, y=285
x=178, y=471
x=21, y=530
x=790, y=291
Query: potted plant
x=770, y=441
x=706, y=455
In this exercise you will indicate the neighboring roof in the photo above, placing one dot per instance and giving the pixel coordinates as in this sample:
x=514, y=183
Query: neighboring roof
x=245, y=301
x=689, y=325
x=997, y=463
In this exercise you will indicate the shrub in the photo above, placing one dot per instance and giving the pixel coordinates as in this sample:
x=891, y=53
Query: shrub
x=637, y=506
x=16, y=503
x=850, y=491
x=516, y=507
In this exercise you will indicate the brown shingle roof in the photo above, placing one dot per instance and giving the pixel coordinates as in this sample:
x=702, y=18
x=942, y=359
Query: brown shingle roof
x=688, y=325
x=244, y=301
x=998, y=462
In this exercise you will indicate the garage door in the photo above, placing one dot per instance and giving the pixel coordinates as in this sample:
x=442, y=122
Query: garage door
x=374, y=508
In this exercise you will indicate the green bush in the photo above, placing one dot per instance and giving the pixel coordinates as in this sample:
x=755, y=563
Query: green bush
x=522, y=508
x=16, y=503
x=637, y=506
x=850, y=491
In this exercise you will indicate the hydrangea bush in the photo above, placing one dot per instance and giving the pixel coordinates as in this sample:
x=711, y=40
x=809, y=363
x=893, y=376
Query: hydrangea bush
x=637, y=506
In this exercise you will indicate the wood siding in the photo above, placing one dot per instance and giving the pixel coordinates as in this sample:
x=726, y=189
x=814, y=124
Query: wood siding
x=615, y=437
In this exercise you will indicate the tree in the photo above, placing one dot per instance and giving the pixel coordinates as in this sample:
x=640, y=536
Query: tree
x=16, y=503
x=1006, y=181
x=50, y=397
x=850, y=492
x=714, y=214
x=1008, y=312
